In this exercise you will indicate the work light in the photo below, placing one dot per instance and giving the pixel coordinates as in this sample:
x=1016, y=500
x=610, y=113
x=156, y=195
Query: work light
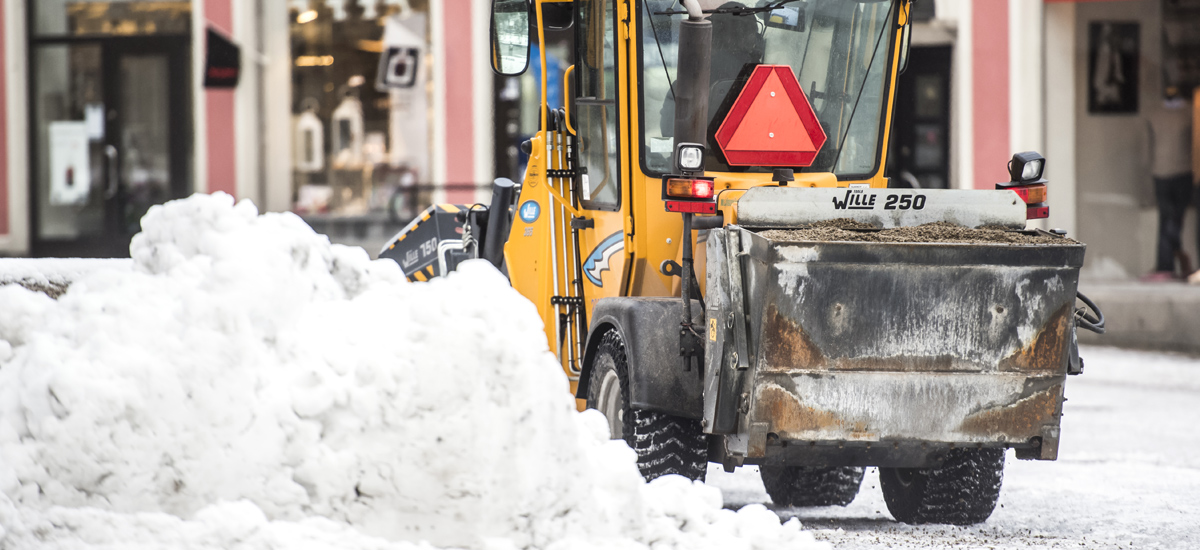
x=689, y=157
x=1026, y=167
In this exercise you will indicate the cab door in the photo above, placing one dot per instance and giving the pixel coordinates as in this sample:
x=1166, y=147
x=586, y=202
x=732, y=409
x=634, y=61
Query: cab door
x=597, y=122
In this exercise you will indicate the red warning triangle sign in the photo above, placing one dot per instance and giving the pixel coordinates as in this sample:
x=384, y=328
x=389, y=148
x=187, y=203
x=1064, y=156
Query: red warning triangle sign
x=771, y=123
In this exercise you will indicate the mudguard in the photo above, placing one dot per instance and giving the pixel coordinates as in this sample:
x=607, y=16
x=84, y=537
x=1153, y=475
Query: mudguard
x=650, y=329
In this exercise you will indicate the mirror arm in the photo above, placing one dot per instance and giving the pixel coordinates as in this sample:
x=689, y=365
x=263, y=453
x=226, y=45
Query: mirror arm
x=567, y=99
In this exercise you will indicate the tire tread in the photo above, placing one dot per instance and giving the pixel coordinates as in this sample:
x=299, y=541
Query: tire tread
x=801, y=486
x=664, y=444
x=964, y=491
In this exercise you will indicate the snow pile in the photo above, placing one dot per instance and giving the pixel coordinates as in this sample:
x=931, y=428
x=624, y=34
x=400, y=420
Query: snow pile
x=247, y=384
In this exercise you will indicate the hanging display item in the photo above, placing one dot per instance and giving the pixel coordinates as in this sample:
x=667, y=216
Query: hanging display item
x=404, y=74
x=310, y=141
x=70, y=167
x=347, y=128
x=400, y=63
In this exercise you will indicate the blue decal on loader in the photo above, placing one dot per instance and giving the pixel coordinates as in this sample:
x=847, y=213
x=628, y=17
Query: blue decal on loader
x=529, y=211
x=598, y=261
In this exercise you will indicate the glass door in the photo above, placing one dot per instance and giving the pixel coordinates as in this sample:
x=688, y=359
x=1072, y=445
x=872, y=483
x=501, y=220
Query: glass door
x=111, y=138
x=920, y=149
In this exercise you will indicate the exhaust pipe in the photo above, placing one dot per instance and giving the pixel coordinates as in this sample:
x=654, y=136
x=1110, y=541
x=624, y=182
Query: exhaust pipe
x=499, y=221
x=691, y=82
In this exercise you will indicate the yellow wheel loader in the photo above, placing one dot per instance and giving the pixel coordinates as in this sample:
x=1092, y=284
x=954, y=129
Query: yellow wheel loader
x=709, y=236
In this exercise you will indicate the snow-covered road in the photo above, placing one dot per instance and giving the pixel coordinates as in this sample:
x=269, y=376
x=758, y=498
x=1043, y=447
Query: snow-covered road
x=1128, y=473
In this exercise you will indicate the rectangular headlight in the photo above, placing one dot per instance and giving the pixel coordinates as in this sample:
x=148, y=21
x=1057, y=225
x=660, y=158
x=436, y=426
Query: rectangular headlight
x=1031, y=170
x=689, y=157
x=1026, y=167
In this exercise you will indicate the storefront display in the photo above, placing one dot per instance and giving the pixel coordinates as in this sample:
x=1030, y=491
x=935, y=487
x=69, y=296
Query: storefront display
x=361, y=83
x=70, y=171
x=111, y=120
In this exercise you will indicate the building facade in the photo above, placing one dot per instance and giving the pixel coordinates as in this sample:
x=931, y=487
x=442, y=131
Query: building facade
x=359, y=112
x=1078, y=81
x=111, y=107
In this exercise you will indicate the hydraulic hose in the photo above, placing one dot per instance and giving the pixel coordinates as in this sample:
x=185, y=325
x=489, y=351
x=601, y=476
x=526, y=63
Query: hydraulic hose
x=1083, y=318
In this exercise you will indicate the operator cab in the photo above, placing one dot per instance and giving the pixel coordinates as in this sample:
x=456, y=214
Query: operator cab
x=837, y=50
x=840, y=52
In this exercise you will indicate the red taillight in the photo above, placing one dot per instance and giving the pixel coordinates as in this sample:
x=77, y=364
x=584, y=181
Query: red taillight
x=679, y=188
x=694, y=195
x=1034, y=197
x=692, y=207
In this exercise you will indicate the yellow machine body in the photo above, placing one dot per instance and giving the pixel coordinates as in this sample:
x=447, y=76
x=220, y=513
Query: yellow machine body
x=626, y=246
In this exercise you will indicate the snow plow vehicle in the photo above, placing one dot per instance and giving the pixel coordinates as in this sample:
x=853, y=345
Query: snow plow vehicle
x=708, y=233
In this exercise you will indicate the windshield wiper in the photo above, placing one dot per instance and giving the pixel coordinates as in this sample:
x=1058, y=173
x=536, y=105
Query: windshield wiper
x=866, y=75
x=740, y=10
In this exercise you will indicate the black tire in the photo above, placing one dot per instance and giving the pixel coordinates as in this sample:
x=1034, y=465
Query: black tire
x=963, y=491
x=664, y=444
x=804, y=486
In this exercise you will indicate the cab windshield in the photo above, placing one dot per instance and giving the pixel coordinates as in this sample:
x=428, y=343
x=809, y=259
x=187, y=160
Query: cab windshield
x=838, y=49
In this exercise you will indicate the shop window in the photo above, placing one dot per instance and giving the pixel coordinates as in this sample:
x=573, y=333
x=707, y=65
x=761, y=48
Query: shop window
x=360, y=104
x=111, y=120
x=127, y=18
x=1180, y=47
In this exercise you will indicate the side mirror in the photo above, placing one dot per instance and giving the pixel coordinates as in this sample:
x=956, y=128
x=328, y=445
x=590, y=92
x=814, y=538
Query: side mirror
x=510, y=36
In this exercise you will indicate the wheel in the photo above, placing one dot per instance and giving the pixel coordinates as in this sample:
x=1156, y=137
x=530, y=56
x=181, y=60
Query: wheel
x=664, y=444
x=962, y=492
x=804, y=486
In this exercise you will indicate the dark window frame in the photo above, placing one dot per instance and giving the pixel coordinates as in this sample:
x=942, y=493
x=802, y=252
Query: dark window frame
x=576, y=87
x=885, y=121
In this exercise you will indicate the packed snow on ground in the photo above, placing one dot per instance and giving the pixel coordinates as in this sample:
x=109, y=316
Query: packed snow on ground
x=1127, y=475
x=247, y=385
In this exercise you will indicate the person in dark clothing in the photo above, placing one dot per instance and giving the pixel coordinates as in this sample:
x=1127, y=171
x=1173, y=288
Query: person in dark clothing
x=1173, y=194
x=736, y=42
x=1168, y=139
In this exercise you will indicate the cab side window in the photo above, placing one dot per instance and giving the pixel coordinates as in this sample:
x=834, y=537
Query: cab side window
x=595, y=109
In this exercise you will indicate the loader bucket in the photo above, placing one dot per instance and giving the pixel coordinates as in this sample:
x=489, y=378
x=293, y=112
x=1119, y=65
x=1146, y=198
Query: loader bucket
x=886, y=353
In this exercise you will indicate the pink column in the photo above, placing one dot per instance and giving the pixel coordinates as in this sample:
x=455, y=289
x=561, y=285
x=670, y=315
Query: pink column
x=990, y=81
x=460, y=123
x=219, y=105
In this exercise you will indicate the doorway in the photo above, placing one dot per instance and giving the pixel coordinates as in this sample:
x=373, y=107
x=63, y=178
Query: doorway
x=111, y=136
x=920, y=148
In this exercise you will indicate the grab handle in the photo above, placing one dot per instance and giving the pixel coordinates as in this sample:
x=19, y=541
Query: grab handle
x=113, y=186
x=567, y=96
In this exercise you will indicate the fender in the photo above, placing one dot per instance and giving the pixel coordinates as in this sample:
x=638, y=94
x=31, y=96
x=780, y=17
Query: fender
x=650, y=329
